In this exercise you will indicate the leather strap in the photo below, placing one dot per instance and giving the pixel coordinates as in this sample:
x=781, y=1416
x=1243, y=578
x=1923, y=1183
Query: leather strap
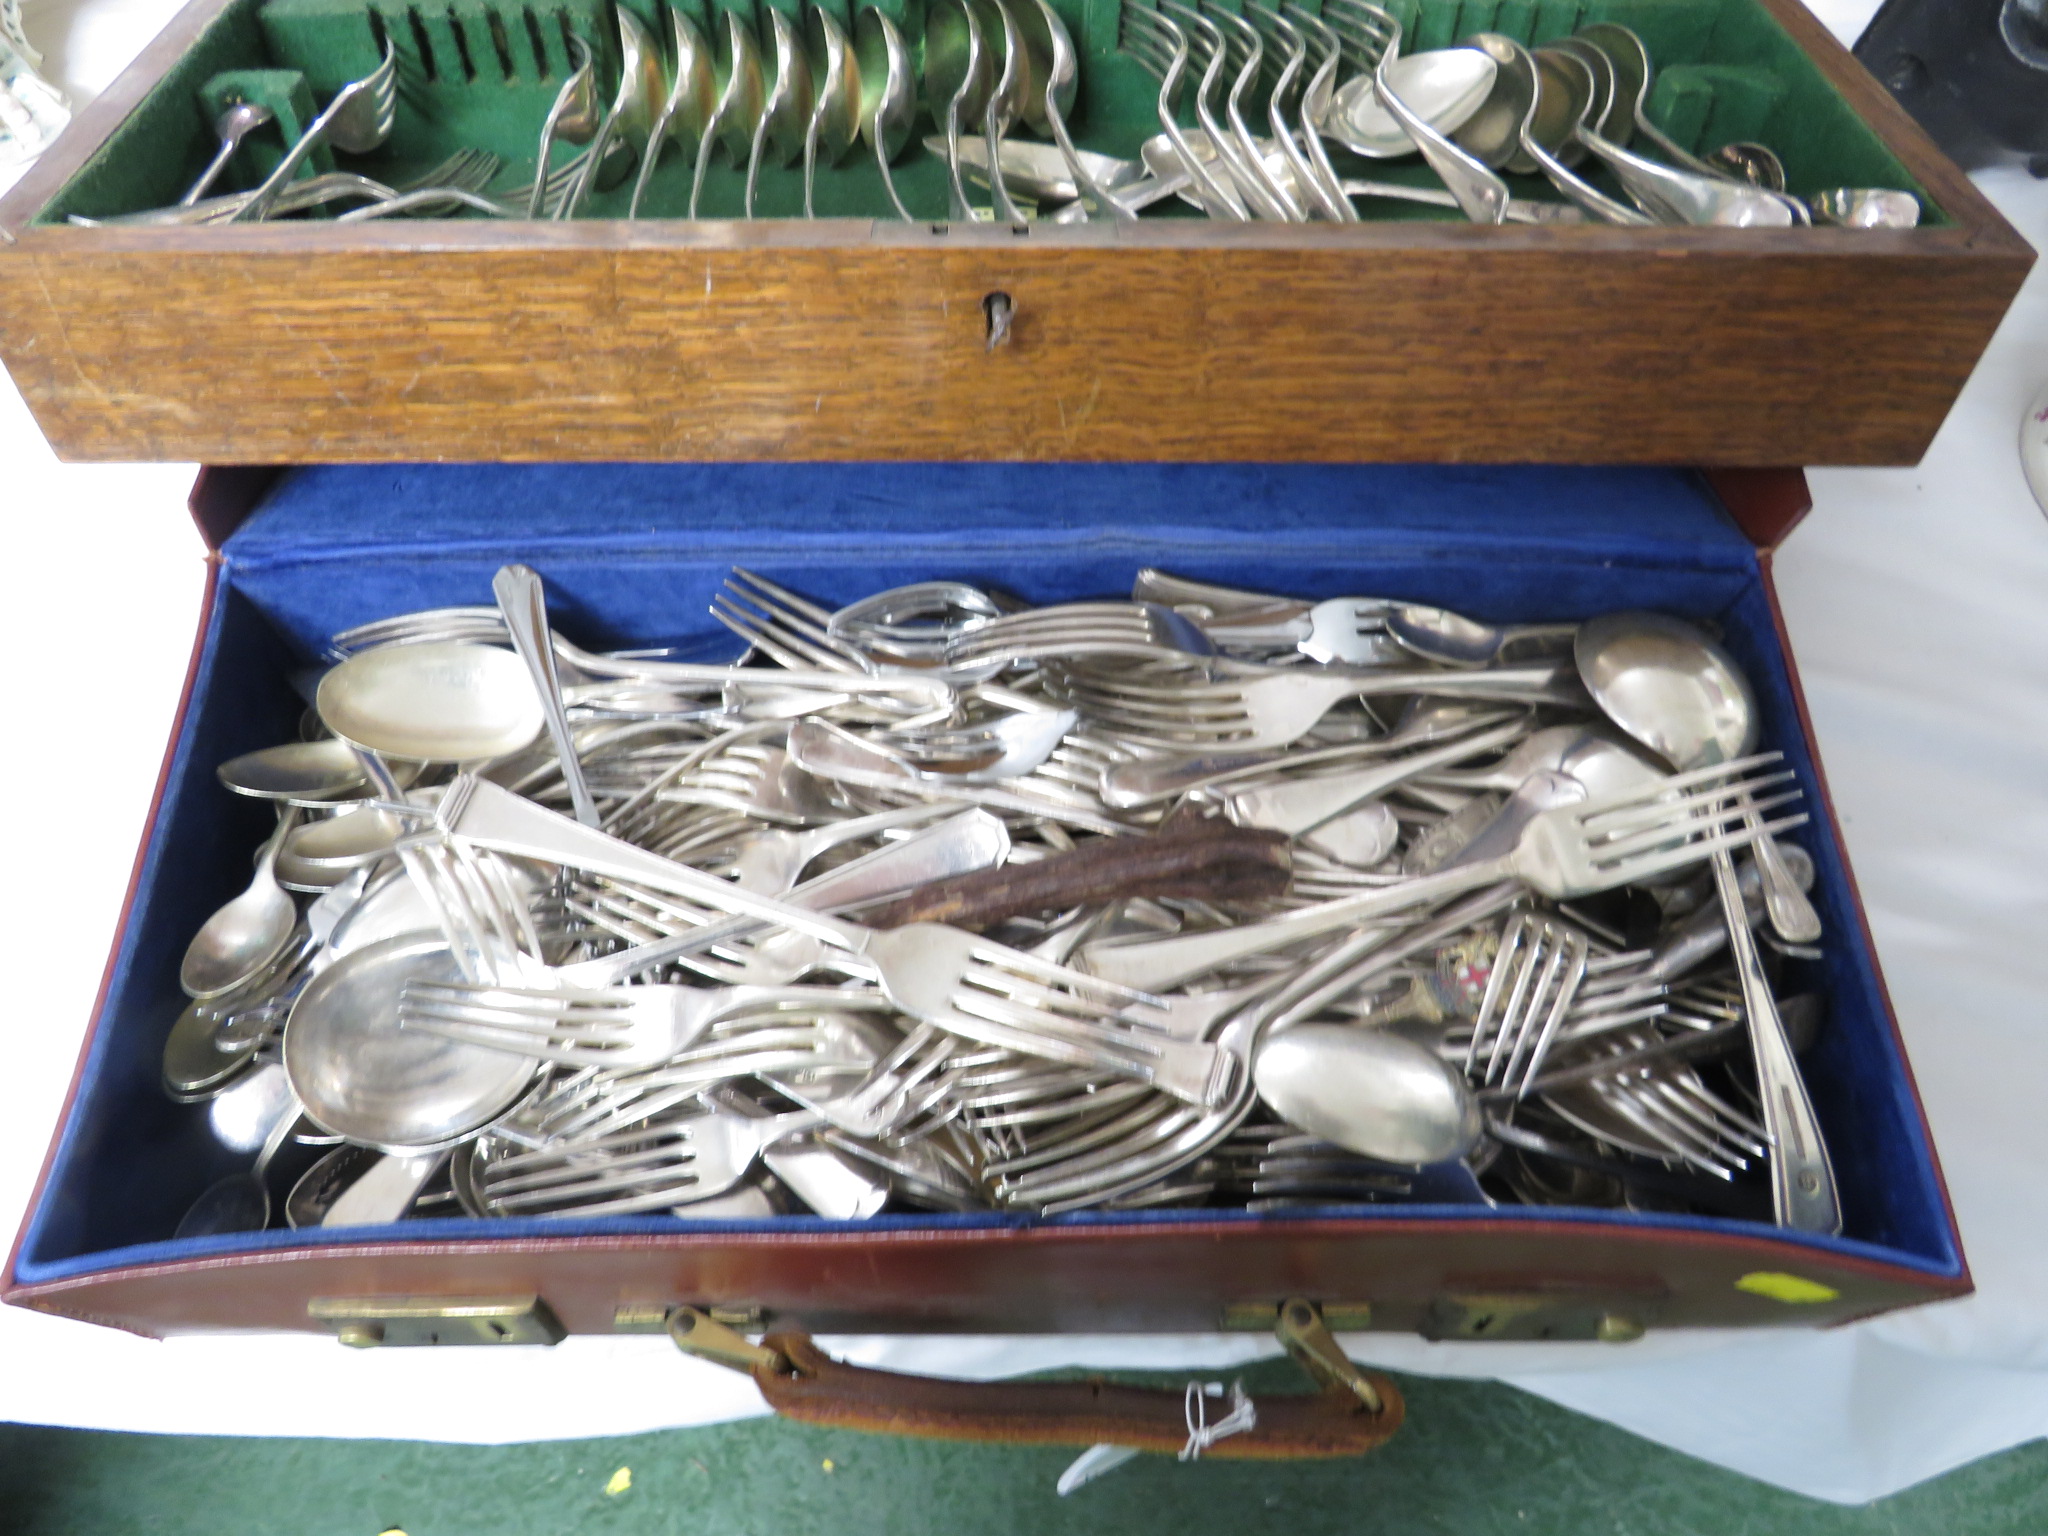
x=817, y=1389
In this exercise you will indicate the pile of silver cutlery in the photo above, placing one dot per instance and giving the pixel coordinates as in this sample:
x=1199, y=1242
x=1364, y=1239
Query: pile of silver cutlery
x=1252, y=103
x=940, y=901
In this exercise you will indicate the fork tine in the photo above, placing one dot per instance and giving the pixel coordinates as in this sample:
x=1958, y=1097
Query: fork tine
x=1642, y=866
x=783, y=595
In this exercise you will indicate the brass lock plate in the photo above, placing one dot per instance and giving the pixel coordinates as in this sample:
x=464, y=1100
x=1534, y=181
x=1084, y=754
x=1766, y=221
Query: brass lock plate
x=1524, y=1316
x=365, y=1322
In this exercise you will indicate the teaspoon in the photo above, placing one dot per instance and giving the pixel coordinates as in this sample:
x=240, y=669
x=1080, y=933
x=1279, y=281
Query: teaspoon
x=235, y=125
x=246, y=934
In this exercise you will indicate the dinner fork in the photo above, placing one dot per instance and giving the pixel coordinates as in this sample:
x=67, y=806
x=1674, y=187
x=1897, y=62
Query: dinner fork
x=1081, y=629
x=1570, y=851
x=615, y=1027
x=1260, y=709
x=1535, y=978
x=641, y=1168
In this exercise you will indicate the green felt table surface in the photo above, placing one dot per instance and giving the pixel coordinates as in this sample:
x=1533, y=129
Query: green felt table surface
x=1474, y=1459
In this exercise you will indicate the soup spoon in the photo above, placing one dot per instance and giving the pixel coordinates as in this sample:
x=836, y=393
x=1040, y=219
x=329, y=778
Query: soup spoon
x=835, y=114
x=692, y=96
x=1680, y=695
x=785, y=120
x=888, y=92
x=742, y=96
x=957, y=82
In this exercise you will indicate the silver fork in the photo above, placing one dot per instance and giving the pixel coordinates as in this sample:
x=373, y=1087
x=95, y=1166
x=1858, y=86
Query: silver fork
x=615, y=1027
x=1571, y=851
x=643, y=1168
x=1081, y=629
x=358, y=119
x=1536, y=976
x=1246, y=713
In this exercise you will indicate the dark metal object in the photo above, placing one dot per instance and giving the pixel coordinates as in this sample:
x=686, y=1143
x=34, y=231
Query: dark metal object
x=1974, y=74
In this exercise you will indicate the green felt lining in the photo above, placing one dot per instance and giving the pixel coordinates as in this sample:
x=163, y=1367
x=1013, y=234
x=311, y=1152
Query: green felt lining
x=482, y=73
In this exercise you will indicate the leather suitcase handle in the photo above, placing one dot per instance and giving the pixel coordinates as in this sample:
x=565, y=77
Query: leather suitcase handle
x=802, y=1382
x=1204, y=862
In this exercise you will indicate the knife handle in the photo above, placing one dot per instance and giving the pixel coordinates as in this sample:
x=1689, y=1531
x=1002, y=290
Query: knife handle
x=1212, y=862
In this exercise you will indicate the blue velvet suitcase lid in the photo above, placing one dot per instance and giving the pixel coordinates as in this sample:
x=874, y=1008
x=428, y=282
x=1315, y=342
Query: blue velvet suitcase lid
x=632, y=554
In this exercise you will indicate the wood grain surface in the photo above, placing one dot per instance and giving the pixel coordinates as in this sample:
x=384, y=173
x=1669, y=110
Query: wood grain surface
x=858, y=340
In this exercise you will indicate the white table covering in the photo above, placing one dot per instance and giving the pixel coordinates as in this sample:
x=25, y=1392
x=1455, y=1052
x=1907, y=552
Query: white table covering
x=1918, y=604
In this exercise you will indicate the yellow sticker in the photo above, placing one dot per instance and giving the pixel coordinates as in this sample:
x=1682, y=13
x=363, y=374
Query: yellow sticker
x=1795, y=1290
x=829, y=1467
x=621, y=1481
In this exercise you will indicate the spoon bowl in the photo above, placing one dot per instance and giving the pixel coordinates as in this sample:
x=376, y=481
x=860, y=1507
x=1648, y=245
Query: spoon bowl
x=298, y=770
x=1443, y=86
x=248, y=933
x=1370, y=1091
x=401, y=1091
x=1866, y=208
x=447, y=701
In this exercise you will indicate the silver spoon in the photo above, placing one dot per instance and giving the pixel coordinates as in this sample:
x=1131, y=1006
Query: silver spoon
x=1370, y=1091
x=957, y=82
x=246, y=934
x=1011, y=65
x=1866, y=208
x=401, y=1091
x=1442, y=86
x=235, y=125
x=888, y=92
x=692, y=96
x=786, y=113
x=241, y=1201
x=835, y=115
x=1681, y=696
x=337, y=844
x=742, y=96
x=572, y=118
x=298, y=770
x=1439, y=635
x=523, y=601
x=445, y=701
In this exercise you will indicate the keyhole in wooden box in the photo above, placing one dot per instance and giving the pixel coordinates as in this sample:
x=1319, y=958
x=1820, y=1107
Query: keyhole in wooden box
x=998, y=311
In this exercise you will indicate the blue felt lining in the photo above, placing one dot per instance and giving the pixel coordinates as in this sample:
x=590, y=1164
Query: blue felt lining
x=632, y=555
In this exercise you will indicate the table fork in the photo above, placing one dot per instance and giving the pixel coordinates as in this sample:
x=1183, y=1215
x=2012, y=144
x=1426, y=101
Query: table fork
x=1567, y=852
x=614, y=1027
x=643, y=1168
x=359, y=119
x=1257, y=708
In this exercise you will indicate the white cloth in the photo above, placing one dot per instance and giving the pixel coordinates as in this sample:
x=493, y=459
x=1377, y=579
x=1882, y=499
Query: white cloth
x=1917, y=601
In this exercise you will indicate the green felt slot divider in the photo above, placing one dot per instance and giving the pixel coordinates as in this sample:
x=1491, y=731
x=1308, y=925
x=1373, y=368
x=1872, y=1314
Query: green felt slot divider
x=482, y=74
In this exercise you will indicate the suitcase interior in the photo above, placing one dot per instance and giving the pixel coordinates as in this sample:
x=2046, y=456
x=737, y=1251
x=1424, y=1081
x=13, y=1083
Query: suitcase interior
x=481, y=74
x=632, y=555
